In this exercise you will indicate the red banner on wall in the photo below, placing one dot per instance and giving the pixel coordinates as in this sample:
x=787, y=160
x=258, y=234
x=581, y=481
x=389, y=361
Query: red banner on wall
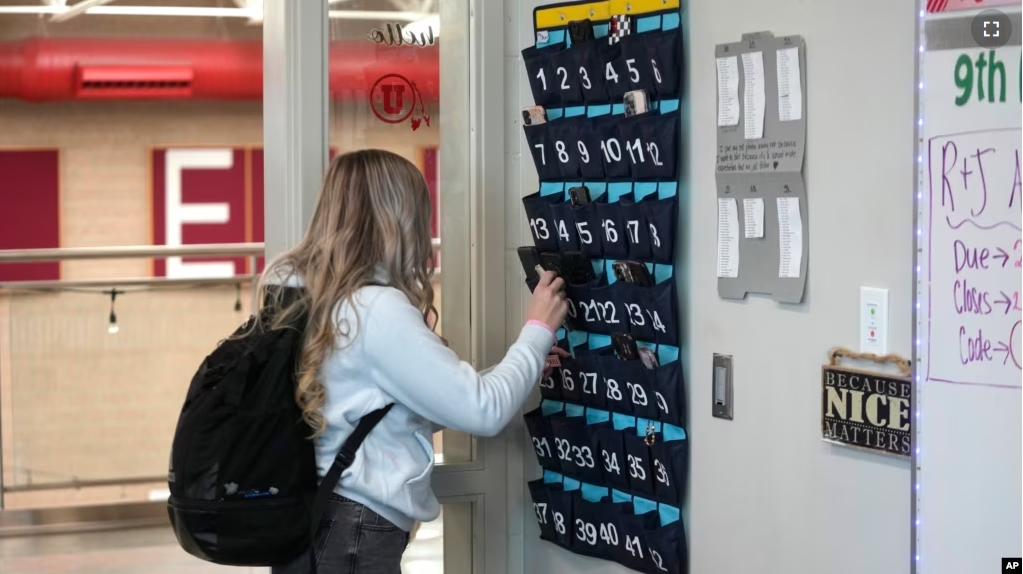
x=201, y=195
x=30, y=210
x=948, y=5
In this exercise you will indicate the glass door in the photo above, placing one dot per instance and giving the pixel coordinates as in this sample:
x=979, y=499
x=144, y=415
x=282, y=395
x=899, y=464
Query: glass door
x=400, y=79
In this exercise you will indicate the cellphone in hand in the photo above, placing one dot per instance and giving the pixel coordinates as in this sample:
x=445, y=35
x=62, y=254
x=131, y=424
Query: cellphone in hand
x=534, y=116
x=636, y=103
x=530, y=263
x=579, y=195
x=625, y=347
x=578, y=270
x=551, y=261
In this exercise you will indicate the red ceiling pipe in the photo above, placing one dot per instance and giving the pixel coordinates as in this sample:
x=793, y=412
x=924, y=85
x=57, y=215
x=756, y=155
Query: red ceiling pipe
x=52, y=69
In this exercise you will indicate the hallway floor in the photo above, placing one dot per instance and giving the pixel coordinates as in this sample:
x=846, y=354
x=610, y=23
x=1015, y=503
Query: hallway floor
x=155, y=551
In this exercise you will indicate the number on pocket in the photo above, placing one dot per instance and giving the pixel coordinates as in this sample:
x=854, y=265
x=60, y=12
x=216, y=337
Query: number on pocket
x=584, y=234
x=611, y=462
x=635, y=314
x=559, y=523
x=662, y=473
x=583, y=457
x=661, y=403
x=585, y=78
x=541, y=512
x=613, y=392
x=562, y=230
x=609, y=74
x=658, y=561
x=559, y=146
x=539, y=227
x=609, y=534
x=567, y=382
x=638, y=394
x=564, y=449
x=584, y=154
x=633, y=546
x=586, y=532
x=612, y=150
x=610, y=233
x=636, y=469
x=633, y=72
x=563, y=74
x=543, y=448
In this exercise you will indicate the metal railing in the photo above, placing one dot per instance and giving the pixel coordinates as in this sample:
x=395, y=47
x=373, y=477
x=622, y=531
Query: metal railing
x=250, y=250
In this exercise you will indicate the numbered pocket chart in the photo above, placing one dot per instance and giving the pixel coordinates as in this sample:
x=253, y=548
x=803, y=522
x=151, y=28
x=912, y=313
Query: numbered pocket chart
x=763, y=238
x=609, y=433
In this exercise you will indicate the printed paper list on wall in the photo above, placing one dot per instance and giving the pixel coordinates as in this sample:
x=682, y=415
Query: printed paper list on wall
x=975, y=256
x=761, y=141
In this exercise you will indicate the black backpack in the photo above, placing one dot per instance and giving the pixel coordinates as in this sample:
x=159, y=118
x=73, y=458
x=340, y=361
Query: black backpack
x=243, y=475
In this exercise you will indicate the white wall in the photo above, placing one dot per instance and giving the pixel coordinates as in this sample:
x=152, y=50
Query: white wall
x=766, y=495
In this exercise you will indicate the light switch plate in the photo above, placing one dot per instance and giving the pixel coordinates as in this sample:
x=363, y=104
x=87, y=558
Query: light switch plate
x=874, y=320
x=721, y=390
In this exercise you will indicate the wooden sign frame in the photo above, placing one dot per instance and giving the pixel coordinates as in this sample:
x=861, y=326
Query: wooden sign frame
x=889, y=433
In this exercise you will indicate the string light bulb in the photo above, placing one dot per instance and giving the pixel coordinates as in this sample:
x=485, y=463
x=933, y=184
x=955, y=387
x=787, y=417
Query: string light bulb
x=113, y=327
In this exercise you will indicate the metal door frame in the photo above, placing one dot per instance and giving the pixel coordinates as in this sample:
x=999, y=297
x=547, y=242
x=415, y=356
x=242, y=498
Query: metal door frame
x=296, y=120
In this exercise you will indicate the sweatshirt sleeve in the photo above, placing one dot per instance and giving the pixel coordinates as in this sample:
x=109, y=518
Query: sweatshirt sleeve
x=411, y=364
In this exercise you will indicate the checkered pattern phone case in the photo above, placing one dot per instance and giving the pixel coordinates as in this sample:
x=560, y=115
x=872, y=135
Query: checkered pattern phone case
x=619, y=25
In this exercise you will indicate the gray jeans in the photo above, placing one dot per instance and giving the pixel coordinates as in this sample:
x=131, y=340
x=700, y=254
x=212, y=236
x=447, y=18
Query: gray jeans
x=353, y=539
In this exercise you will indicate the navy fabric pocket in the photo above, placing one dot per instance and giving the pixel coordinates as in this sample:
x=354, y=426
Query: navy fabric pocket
x=606, y=130
x=543, y=439
x=611, y=450
x=541, y=220
x=670, y=463
x=667, y=550
x=574, y=448
x=651, y=144
x=637, y=457
x=615, y=244
x=542, y=508
x=540, y=71
x=633, y=552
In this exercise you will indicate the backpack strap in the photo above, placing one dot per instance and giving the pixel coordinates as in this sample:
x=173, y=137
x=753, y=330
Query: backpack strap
x=344, y=459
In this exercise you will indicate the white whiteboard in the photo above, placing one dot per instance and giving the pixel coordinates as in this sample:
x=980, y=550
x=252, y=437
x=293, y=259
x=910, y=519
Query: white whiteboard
x=968, y=455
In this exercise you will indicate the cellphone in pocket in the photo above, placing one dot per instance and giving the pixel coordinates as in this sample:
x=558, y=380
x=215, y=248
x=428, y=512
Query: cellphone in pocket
x=619, y=25
x=534, y=116
x=580, y=31
x=625, y=347
x=632, y=272
x=636, y=103
x=579, y=195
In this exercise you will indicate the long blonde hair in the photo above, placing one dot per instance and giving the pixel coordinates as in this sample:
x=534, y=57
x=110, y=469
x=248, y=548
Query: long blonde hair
x=374, y=209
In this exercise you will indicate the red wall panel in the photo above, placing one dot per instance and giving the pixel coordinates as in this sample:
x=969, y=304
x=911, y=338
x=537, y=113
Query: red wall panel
x=203, y=192
x=29, y=210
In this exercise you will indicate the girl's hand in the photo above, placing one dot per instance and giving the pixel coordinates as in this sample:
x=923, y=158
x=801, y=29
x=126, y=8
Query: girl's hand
x=561, y=353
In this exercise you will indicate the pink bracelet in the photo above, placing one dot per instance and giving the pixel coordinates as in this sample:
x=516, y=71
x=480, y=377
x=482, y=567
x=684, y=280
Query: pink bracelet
x=542, y=324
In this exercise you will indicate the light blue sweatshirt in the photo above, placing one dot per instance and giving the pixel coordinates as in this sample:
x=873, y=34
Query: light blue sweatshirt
x=390, y=356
